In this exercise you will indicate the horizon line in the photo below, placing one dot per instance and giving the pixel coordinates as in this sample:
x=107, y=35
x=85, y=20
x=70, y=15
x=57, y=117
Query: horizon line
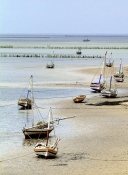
x=50, y=34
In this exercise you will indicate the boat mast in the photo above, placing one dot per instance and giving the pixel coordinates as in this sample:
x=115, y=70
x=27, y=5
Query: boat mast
x=29, y=88
x=32, y=99
x=52, y=61
x=112, y=70
x=49, y=118
x=110, y=83
x=104, y=65
x=111, y=56
x=120, y=69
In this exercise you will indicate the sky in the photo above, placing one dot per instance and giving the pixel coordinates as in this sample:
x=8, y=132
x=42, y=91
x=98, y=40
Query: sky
x=90, y=17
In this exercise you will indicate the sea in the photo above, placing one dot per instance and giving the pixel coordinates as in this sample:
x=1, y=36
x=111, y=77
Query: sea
x=66, y=38
x=50, y=86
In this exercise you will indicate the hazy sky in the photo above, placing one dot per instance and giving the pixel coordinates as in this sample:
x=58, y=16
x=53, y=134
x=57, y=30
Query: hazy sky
x=64, y=17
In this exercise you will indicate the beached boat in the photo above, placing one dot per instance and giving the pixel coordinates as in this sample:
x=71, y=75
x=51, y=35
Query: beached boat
x=79, y=52
x=25, y=102
x=119, y=79
x=100, y=84
x=119, y=76
x=110, y=62
x=79, y=98
x=110, y=90
x=40, y=129
x=46, y=149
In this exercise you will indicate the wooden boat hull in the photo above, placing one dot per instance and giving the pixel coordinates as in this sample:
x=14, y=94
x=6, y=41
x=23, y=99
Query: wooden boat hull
x=50, y=66
x=79, y=98
x=119, y=75
x=109, y=64
x=109, y=93
x=47, y=152
x=36, y=133
x=25, y=103
x=97, y=86
x=78, y=53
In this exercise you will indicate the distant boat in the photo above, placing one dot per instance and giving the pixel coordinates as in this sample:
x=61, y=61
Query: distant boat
x=79, y=98
x=86, y=40
x=52, y=65
x=79, y=52
x=46, y=149
x=110, y=62
x=119, y=76
x=26, y=102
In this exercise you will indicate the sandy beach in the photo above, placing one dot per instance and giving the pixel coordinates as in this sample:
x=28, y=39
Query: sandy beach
x=63, y=87
x=95, y=141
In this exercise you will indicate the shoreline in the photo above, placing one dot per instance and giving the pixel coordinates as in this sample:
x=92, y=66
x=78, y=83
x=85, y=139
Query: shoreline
x=93, y=142
x=97, y=144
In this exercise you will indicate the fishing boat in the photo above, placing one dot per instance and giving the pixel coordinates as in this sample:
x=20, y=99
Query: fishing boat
x=119, y=79
x=47, y=149
x=40, y=129
x=100, y=84
x=37, y=131
x=79, y=98
x=110, y=62
x=51, y=65
x=86, y=40
x=25, y=102
x=119, y=76
x=79, y=52
x=110, y=90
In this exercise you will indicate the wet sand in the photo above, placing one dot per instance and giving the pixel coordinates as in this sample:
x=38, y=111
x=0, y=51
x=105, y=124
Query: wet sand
x=95, y=143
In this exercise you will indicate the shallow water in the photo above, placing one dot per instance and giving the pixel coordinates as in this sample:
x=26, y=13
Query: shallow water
x=65, y=38
x=14, y=76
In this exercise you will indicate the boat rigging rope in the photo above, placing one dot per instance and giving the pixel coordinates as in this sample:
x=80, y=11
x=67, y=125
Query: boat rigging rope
x=97, y=69
x=38, y=112
x=26, y=87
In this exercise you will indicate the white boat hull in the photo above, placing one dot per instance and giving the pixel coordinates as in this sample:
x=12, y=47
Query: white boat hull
x=96, y=86
x=46, y=151
x=119, y=79
x=109, y=93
